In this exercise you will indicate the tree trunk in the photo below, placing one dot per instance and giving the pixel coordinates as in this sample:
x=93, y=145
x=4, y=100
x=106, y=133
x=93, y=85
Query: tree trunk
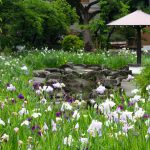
x=34, y=39
x=108, y=38
x=85, y=16
x=88, y=44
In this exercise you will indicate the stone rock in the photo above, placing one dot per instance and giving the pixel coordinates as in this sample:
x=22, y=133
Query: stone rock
x=51, y=81
x=124, y=72
x=96, y=68
x=106, y=72
x=40, y=73
x=125, y=68
x=78, y=85
x=120, y=78
x=115, y=74
x=110, y=83
x=82, y=78
x=68, y=70
x=80, y=69
x=69, y=65
x=39, y=81
x=69, y=76
x=80, y=65
x=94, y=75
x=55, y=75
x=53, y=70
x=88, y=70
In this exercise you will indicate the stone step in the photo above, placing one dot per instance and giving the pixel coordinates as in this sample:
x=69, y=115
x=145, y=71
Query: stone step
x=136, y=70
x=128, y=86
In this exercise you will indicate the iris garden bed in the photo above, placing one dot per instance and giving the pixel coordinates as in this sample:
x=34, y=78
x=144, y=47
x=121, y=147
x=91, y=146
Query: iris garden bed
x=31, y=119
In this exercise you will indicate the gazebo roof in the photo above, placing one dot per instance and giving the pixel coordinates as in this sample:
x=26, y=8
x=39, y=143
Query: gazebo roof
x=137, y=18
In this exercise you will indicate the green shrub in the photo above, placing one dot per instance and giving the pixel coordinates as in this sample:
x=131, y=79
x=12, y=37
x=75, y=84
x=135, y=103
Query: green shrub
x=143, y=80
x=72, y=43
x=6, y=50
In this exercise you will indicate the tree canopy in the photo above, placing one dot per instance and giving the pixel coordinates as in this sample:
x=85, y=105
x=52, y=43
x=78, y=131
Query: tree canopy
x=35, y=22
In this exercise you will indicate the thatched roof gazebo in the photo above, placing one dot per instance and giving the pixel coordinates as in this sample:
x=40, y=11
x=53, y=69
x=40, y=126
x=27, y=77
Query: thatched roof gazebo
x=138, y=20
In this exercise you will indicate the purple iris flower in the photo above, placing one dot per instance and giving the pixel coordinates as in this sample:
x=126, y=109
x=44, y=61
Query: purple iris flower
x=29, y=119
x=130, y=104
x=36, y=85
x=20, y=96
x=13, y=101
x=58, y=114
x=146, y=116
x=121, y=107
x=35, y=127
x=39, y=133
x=8, y=84
x=71, y=100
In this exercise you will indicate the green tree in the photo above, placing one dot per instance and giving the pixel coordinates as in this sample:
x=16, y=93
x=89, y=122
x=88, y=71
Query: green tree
x=139, y=4
x=35, y=23
x=110, y=10
x=85, y=17
x=0, y=17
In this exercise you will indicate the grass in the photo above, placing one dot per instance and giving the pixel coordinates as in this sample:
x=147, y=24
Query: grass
x=53, y=58
x=143, y=80
x=44, y=59
x=35, y=137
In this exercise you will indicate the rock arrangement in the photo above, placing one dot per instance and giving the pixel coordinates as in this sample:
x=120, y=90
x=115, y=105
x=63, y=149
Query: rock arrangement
x=81, y=78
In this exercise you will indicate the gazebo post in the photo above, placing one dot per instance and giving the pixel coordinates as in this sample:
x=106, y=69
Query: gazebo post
x=139, y=52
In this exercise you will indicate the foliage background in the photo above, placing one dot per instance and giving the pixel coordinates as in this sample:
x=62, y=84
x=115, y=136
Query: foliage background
x=34, y=23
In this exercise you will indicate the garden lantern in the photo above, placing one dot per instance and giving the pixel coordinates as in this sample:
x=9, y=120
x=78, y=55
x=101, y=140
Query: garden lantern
x=138, y=20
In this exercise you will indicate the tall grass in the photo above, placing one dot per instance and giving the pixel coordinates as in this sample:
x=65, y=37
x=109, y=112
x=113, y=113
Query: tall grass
x=43, y=59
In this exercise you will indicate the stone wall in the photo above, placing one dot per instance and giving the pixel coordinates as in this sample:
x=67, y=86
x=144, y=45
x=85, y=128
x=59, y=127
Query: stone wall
x=81, y=78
